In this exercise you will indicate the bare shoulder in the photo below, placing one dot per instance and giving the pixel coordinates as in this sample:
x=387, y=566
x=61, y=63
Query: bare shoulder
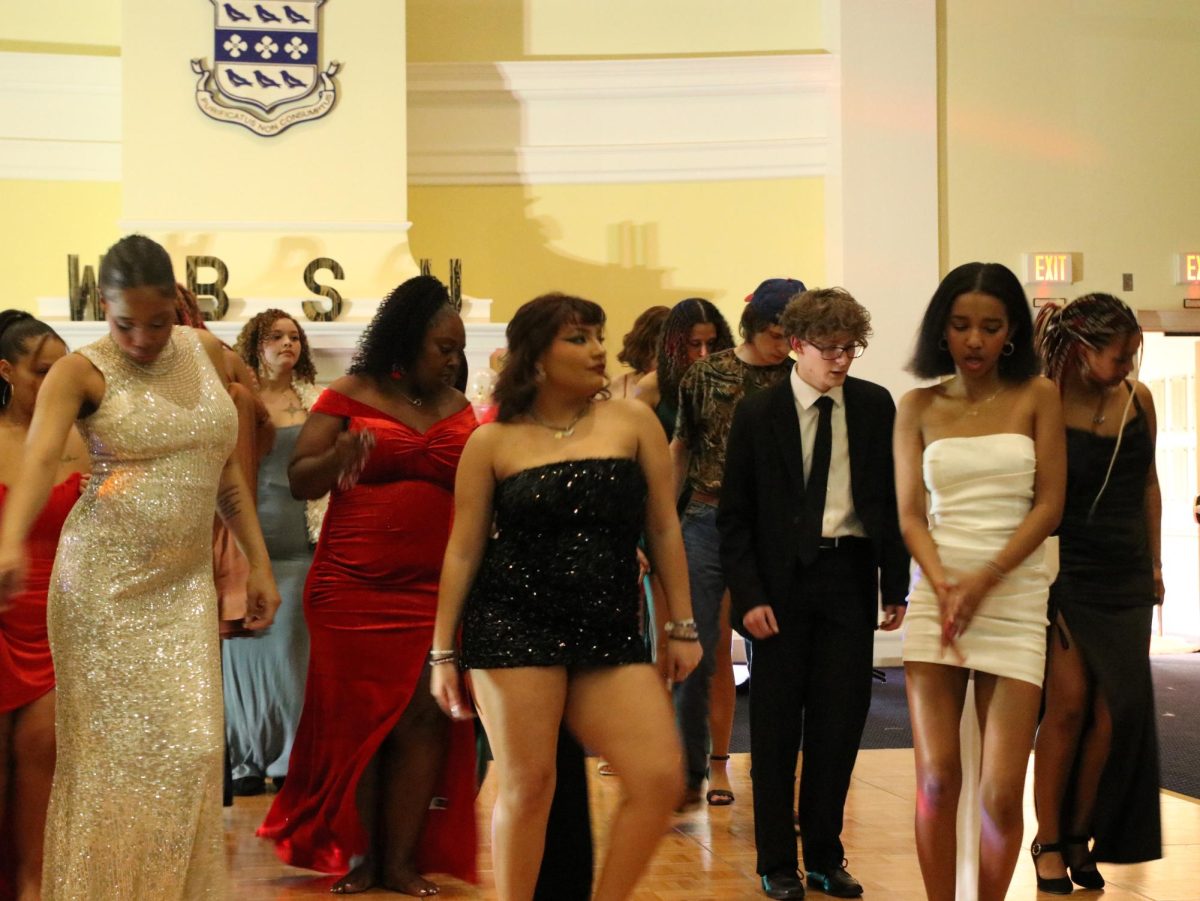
x=210, y=342
x=917, y=400
x=486, y=437
x=1041, y=392
x=622, y=409
x=356, y=386
x=1142, y=391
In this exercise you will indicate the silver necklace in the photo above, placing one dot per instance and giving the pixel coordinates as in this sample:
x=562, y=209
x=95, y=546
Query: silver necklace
x=561, y=432
x=1098, y=417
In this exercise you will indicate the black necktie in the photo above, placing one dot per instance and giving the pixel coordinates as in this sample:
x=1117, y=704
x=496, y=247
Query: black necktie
x=818, y=481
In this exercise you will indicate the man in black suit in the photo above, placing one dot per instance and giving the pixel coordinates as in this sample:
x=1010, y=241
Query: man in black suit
x=809, y=537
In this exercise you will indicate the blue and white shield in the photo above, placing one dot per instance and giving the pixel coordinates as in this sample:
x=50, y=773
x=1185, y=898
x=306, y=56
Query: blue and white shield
x=266, y=52
x=265, y=65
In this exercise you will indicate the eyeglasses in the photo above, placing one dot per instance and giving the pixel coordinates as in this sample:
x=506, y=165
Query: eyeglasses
x=833, y=351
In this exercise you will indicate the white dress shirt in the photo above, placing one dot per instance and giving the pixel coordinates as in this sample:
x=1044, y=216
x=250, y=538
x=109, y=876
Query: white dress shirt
x=839, y=519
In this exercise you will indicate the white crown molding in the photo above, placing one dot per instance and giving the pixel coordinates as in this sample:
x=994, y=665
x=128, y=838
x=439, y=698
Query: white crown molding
x=572, y=121
x=60, y=117
x=613, y=121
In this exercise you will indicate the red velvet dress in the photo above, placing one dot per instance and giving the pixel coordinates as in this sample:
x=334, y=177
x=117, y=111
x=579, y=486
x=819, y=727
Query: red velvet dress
x=26, y=671
x=370, y=602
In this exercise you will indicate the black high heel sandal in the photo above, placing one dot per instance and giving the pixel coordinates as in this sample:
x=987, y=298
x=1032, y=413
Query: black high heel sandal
x=1059, y=885
x=1084, y=878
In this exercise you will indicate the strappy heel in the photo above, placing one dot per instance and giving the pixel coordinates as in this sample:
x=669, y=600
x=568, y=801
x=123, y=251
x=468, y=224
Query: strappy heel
x=1084, y=878
x=1059, y=885
x=719, y=797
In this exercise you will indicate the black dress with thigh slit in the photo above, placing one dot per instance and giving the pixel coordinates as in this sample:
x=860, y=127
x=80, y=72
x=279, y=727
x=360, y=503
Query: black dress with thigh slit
x=1105, y=593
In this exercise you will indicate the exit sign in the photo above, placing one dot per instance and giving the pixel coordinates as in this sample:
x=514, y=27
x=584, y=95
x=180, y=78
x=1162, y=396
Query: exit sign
x=1049, y=268
x=1187, y=268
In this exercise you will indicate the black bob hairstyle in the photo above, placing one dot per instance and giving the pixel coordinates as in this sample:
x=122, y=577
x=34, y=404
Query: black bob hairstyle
x=931, y=359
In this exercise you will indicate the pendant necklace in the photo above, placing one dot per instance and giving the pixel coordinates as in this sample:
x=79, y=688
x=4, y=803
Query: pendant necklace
x=973, y=409
x=1098, y=417
x=561, y=432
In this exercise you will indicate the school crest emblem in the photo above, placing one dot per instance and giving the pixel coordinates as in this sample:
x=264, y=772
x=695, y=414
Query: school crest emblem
x=266, y=73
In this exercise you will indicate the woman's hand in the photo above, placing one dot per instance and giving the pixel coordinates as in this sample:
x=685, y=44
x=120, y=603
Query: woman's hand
x=944, y=589
x=262, y=600
x=1160, y=588
x=446, y=686
x=351, y=450
x=643, y=564
x=12, y=574
x=682, y=658
x=964, y=600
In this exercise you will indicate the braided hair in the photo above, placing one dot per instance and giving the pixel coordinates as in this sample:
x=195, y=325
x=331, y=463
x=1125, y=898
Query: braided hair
x=1092, y=321
x=673, y=358
x=250, y=341
x=17, y=330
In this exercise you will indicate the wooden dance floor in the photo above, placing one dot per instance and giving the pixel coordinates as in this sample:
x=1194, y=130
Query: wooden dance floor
x=709, y=854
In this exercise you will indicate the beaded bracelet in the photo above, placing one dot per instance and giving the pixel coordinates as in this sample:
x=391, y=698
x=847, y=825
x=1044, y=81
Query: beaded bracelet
x=684, y=630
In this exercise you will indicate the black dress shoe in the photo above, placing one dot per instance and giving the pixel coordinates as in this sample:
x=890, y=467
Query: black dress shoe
x=835, y=881
x=249, y=786
x=1081, y=866
x=783, y=884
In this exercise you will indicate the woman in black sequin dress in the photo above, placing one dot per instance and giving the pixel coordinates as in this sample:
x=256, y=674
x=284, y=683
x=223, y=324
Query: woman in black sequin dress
x=542, y=571
x=1095, y=775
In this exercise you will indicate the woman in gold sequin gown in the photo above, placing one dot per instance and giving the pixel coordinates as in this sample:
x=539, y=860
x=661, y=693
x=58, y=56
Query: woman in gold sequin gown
x=135, y=811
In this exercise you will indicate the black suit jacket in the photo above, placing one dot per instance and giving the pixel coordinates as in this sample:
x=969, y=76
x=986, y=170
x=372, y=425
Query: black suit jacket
x=762, y=494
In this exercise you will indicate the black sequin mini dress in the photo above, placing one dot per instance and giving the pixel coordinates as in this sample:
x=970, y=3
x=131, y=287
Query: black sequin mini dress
x=558, y=584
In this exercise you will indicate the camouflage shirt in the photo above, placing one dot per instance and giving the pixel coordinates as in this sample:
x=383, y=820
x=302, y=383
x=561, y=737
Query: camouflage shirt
x=709, y=392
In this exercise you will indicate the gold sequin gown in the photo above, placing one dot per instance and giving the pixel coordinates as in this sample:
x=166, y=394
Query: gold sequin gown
x=135, y=812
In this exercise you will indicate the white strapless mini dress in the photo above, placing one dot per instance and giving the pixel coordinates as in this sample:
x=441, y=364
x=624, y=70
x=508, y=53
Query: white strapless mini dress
x=981, y=488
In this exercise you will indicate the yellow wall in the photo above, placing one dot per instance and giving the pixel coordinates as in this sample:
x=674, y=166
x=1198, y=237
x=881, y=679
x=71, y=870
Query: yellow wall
x=626, y=246
x=56, y=218
x=489, y=30
x=79, y=23
x=323, y=187
x=1072, y=127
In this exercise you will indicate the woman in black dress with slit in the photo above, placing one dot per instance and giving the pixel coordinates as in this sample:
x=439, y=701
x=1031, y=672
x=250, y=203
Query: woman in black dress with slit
x=542, y=571
x=1096, y=765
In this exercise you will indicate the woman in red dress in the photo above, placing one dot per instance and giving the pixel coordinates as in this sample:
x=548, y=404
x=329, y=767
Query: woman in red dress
x=28, y=347
x=381, y=785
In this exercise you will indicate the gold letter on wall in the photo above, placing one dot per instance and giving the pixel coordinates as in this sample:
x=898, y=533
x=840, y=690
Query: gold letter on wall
x=312, y=309
x=83, y=297
x=215, y=290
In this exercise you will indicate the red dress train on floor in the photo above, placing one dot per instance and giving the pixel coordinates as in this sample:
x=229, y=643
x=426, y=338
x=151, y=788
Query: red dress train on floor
x=26, y=670
x=370, y=602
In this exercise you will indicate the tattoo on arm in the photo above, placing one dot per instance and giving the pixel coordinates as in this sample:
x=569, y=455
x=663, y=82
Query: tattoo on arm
x=228, y=503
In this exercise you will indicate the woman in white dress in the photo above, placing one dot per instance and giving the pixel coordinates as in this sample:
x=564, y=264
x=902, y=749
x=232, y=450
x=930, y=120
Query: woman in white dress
x=980, y=478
